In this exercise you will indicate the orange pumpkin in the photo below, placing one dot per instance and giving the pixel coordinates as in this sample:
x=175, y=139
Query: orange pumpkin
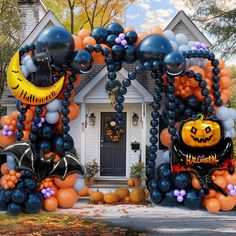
x=96, y=197
x=122, y=193
x=137, y=195
x=111, y=198
x=130, y=182
x=84, y=191
x=50, y=204
x=127, y=200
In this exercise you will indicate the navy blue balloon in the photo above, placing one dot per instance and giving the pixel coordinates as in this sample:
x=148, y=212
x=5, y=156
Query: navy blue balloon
x=153, y=48
x=58, y=42
x=30, y=183
x=153, y=184
x=169, y=199
x=182, y=181
x=193, y=200
x=33, y=204
x=3, y=204
x=62, y=145
x=6, y=195
x=156, y=196
x=47, y=131
x=110, y=41
x=45, y=146
x=162, y=167
x=130, y=54
x=13, y=209
x=115, y=28
x=81, y=61
x=18, y=196
x=164, y=172
x=117, y=51
x=100, y=34
x=131, y=37
x=165, y=184
x=192, y=101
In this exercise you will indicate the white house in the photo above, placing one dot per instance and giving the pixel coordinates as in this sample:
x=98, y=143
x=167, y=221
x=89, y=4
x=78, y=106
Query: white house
x=91, y=141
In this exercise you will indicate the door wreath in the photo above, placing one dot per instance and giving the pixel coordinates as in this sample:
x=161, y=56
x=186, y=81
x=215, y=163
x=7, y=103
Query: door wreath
x=113, y=131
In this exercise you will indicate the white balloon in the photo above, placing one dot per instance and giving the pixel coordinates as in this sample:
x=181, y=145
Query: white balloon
x=232, y=132
x=25, y=59
x=191, y=43
x=227, y=134
x=203, y=62
x=169, y=34
x=232, y=112
x=174, y=45
x=223, y=113
x=52, y=117
x=24, y=71
x=11, y=163
x=184, y=48
x=79, y=184
x=30, y=65
x=187, y=63
x=181, y=39
x=166, y=156
x=194, y=61
x=228, y=124
x=54, y=105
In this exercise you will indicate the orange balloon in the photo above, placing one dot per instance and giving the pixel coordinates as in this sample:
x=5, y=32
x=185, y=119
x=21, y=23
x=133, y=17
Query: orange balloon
x=6, y=120
x=89, y=41
x=98, y=58
x=224, y=98
x=50, y=204
x=6, y=140
x=74, y=110
x=226, y=72
x=220, y=181
x=54, y=188
x=226, y=203
x=221, y=63
x=218, y=172
x=27, y=125
x=165, y=138
x=78, y=42
x=227, y=92
x=212, y=205
x=129, y=28
x=68, y=182
x=198, y=94
x=230, y=179
x=212, y=193
x=157, y=30
x=4, y=169
x=226, y=82
x=192, y=82
x=84, y=33
x=26, y=135
x=141, y=36
x=3, y=180
x=13, y=115
x=195, y=183
x=67, y=197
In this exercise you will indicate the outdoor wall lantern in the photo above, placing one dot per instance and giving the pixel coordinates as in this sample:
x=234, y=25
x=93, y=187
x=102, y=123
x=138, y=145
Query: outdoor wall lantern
x=92, y=119
x=135, y=119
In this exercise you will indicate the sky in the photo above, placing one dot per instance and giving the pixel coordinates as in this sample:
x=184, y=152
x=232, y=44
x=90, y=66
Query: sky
x=147, y=13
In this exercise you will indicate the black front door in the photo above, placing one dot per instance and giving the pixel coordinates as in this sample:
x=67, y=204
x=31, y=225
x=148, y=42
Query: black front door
x=113, y=146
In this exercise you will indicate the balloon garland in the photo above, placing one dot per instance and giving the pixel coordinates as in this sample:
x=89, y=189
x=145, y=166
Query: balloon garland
x=48, y=163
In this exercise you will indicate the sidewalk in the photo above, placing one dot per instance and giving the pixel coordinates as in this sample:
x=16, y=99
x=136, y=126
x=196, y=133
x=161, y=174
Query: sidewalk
x=160, y=220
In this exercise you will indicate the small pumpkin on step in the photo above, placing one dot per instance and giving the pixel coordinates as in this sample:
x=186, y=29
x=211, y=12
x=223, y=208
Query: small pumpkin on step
x=96, y=197
x=122, y=193
x=137, y=195
x=111, y=198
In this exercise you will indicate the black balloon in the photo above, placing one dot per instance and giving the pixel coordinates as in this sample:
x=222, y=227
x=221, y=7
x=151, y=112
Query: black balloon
x=18, y=196
x=156, y=196
x=170, y=199
x=13, y=209
x=130, y=54
x=58, y=42
x=47, y=131
x=174, y=63
x=110, y=41
x=115, y=28
x=6, y=195
x=131, y=37
x=118, y=51
x=153, y=48
x=193, y=200
x=162, y=167
x=182, y=181
x=45, y=146
x=164, y=172
x=165, y=184
x=81, y=61
x=30, y=183
x=153, y=184
x=192, y=101
x=100, y=34
x=33, y=204
x=61, y=145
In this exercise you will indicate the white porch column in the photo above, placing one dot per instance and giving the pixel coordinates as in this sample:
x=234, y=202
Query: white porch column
x=143, y=145
x=83, y=130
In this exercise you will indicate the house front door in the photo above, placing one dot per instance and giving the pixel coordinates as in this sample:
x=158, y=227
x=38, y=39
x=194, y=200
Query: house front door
x=112, y=146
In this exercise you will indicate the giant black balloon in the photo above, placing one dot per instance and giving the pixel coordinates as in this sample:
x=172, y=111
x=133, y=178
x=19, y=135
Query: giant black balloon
x=152, y=48
x=174, y=63
x=100, y=34
x=81, y=61
x=58, y=41
x=115, y=28
x=130, y=54
x=193, y=200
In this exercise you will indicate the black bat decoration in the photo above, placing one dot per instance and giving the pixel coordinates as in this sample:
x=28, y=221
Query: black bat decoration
x=40, y=166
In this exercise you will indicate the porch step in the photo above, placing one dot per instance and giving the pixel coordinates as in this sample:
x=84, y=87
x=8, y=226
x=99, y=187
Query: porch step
x=110, y=182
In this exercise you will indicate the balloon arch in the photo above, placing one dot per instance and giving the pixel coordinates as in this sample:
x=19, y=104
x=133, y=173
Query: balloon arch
x=41, y=164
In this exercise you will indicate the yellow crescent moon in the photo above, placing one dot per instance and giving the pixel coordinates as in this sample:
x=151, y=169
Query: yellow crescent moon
x=27, y=92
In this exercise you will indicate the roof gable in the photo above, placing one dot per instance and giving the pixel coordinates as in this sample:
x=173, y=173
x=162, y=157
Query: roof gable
x=181, y=23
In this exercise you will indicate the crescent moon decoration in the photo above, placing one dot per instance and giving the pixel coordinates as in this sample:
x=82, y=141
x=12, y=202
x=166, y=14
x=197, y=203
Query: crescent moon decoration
x=27, y=92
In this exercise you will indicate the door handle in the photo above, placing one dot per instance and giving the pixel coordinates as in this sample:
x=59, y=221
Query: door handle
x=101, y=145
x=102, y=141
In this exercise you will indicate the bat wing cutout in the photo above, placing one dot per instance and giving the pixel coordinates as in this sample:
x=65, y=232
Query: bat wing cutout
x=66, y=166
x=22, y=153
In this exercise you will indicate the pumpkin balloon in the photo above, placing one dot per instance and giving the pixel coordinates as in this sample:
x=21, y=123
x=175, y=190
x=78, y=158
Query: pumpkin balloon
x=84, y=33
x=220, y=181
x=227, y=203
x=68, y=182
x=111, y=198
x=195, y=183
x=96, y=197
x=212, y=205
x=230, y=179
x=74, y=111
x=84, y=191
x=211, y=194
x=165, y=138
x=200, y=132
x=122, y=193
x=137, y=195
x=4, y=169
x=50, y=204
x=66, y=197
